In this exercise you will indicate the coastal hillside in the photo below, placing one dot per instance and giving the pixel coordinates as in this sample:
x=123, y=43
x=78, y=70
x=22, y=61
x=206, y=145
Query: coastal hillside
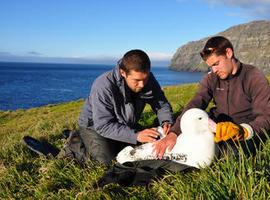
x=251, y=42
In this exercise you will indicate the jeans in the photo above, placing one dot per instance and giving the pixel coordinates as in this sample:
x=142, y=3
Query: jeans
x=99, y=148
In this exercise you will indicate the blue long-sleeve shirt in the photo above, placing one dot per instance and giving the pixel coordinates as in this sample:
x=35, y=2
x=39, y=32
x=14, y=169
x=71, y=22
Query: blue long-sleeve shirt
x=113, y=111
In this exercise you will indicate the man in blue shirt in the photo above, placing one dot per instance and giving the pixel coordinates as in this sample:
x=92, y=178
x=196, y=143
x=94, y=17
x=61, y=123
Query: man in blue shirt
x=109, y=119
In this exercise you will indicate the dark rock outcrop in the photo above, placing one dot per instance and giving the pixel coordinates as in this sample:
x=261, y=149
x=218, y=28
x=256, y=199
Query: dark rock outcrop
x=251, y=43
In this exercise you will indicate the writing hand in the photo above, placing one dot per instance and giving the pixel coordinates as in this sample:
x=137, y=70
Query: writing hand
x=166, y=128
x=147, y=135
x=167, y=142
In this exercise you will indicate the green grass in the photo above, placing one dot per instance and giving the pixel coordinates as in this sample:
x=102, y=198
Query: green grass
x=24, y=175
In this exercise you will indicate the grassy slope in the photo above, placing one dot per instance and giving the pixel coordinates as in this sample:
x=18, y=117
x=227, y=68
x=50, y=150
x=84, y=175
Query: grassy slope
x=26, y=175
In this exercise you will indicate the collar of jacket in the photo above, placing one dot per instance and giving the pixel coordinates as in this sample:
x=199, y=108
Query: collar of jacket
x=144, y=94
x=239, y=69
x=120, y=81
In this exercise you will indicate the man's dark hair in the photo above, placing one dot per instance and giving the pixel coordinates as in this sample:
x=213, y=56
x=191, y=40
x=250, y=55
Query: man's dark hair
x=136, y=60
x=217, y=45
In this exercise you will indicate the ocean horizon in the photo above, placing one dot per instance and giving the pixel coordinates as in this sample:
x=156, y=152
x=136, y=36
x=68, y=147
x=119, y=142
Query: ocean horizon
x=28, y=85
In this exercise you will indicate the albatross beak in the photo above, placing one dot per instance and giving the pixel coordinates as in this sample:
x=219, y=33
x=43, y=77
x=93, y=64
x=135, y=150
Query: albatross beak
x=212, y=125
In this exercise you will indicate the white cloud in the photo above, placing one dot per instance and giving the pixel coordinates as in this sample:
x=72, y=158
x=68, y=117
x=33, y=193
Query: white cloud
x=154, y=56
x=34, y=53
x=241, y=3
x=253, y=8
x=159, y=56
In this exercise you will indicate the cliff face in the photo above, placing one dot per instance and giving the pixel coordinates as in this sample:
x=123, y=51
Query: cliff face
x=251, y=43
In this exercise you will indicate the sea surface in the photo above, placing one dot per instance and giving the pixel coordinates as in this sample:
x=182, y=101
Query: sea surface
x=27, y=85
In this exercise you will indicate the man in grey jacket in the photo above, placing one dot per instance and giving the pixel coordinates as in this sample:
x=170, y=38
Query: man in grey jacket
x=109, y=119
x=241, y=97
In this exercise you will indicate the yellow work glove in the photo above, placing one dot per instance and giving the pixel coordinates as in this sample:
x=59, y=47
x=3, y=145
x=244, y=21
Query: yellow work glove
x=229, y=130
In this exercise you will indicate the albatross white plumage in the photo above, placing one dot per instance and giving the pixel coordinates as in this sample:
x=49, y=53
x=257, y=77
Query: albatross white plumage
x=195, y=146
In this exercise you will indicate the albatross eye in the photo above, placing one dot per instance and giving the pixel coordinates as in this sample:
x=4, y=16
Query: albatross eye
x=200, y=118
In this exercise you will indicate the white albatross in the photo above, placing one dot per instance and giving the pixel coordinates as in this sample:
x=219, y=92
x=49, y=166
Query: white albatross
x=195, y=146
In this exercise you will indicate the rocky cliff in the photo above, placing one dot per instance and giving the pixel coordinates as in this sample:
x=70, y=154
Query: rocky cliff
x=251, y=43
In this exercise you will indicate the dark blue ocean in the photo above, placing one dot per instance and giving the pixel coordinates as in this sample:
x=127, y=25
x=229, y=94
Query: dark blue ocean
x=27, y=85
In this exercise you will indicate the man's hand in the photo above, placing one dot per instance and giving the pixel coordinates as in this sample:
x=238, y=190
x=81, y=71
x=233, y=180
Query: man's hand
x=229, y=130
x=166, y=128
x=166, y=143
x=147, y=135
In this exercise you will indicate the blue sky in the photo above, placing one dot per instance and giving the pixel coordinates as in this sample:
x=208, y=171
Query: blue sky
x=100, y=31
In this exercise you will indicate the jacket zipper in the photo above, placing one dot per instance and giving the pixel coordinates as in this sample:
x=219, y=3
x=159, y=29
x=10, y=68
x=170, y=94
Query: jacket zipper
x=228, y=103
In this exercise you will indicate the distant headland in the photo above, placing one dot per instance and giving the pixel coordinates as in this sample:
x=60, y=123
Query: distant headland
x=251, y=42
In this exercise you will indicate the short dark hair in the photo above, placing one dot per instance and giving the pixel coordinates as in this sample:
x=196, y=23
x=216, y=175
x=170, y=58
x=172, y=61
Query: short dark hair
x=217, y=45
x=136, y=60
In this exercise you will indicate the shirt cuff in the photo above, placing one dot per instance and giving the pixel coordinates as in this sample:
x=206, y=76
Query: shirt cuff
x=249, y=129
x=168, y=122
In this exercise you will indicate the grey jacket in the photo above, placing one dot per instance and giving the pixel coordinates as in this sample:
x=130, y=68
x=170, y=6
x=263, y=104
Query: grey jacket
x=113, y=110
